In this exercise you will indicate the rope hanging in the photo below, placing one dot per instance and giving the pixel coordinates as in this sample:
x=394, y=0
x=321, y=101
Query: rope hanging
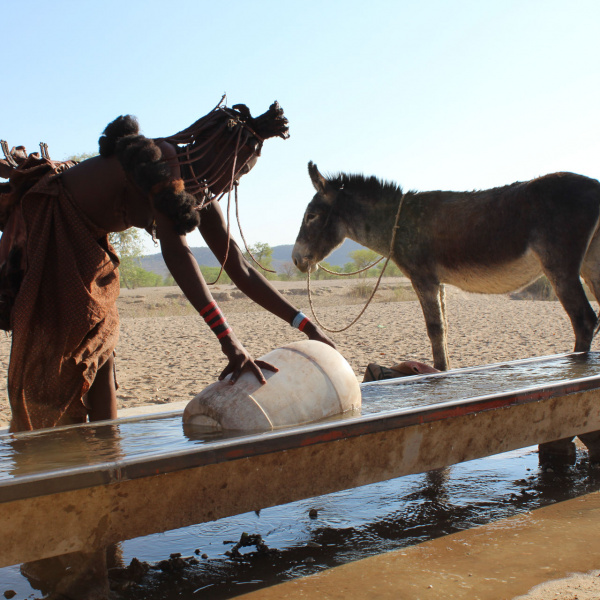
x=237, y=214
x=228, y=206
x=234, y=185
x=353, y=272
x=360, y=314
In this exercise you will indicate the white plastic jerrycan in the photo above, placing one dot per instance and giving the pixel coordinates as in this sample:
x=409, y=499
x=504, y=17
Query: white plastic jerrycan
x=314, y=381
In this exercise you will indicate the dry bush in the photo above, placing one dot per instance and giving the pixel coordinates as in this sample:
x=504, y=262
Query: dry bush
x=541, y=289
x=363, y=290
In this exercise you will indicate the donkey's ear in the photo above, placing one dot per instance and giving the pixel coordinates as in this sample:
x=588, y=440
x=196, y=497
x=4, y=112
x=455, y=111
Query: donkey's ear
x=317, y=179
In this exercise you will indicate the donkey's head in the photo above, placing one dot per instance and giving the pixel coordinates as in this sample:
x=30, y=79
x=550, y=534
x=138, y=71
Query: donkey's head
x=322, y=230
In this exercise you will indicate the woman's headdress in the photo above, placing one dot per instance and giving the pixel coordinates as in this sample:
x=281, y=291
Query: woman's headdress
x=212, y=153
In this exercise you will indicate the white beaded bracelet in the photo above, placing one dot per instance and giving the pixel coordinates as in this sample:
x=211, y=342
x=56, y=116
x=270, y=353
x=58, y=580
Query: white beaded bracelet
x=300, y=321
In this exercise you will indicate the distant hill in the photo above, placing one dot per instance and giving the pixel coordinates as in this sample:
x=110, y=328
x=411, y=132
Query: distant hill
x=281, y=254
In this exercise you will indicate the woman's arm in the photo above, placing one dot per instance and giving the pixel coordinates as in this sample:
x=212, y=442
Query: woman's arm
x=214, y=230
x=185, y=270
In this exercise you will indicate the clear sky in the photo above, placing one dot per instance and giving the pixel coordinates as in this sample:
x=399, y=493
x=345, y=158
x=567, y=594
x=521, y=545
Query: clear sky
x=432, y=94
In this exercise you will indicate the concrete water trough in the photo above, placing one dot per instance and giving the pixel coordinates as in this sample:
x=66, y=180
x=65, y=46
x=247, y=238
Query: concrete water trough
x=83, y=487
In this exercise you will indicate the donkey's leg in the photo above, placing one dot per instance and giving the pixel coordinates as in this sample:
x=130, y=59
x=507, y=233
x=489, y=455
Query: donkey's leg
x=562, y=252
x=444, y=316
x=590, y=269
x=444, y=322
x=430, y=297
x=564, y=277
x=569, y=291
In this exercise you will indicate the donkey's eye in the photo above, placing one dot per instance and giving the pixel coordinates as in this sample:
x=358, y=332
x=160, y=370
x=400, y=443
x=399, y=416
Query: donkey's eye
x=310, y=217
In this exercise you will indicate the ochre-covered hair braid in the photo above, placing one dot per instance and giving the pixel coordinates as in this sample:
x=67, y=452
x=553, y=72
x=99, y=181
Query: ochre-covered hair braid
x=224, y=141
x=142, y=160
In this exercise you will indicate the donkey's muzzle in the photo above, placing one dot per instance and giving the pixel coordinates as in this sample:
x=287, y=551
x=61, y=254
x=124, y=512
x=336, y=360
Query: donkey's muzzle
x=303, y=263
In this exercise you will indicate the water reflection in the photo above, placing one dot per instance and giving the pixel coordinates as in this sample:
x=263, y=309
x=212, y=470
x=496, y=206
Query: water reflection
x=415, y=392
x=81, y=575
x=48, y=450
x=357, y=523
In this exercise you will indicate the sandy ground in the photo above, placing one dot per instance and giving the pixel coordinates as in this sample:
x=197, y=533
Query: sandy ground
x=579, y=586
x=166, y=353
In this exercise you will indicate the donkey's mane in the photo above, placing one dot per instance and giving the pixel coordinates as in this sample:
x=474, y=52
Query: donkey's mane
x=374, y=188
x=361, y=184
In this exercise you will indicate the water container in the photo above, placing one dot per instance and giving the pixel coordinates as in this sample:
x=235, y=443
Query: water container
x=314, y=382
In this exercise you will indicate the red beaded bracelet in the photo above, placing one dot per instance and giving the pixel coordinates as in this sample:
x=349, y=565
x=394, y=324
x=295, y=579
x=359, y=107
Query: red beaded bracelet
x=215, y=320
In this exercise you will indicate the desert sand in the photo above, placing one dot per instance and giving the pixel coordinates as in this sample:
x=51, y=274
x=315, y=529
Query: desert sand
x=578, y=586
x=166, y=353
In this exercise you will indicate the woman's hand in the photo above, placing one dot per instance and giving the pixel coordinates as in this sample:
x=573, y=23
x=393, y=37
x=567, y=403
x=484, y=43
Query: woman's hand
x=239, y=360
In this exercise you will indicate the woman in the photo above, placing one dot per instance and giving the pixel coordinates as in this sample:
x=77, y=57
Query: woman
x=64, y=319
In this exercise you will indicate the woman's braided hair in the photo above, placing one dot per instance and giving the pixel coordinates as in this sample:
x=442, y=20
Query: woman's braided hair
x=208, y=150
x=142, y=160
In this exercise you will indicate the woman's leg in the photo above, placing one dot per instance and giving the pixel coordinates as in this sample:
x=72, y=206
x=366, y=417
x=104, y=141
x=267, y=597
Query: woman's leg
x=101, y=399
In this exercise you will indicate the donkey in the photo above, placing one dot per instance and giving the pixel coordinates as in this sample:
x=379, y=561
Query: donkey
x=491, y=241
